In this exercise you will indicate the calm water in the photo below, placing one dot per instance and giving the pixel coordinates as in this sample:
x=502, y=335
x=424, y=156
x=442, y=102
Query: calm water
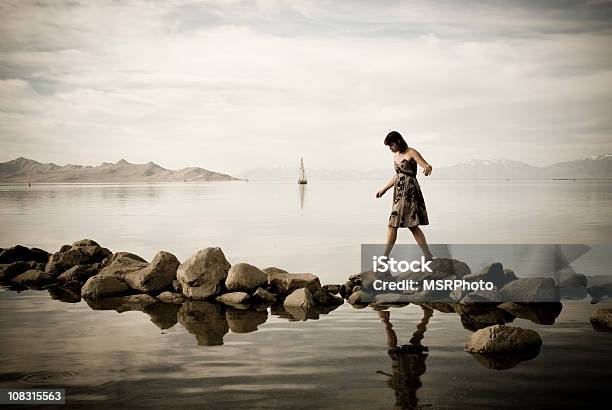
x=209, y=356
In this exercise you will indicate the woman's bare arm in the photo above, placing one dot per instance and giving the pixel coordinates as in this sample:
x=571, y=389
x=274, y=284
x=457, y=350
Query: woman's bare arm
x=387, y=186
x=419, y=159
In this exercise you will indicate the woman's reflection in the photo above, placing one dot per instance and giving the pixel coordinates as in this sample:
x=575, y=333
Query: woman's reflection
x=408, y=361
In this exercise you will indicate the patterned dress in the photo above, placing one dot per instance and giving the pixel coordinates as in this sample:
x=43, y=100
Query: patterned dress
x=408, y=203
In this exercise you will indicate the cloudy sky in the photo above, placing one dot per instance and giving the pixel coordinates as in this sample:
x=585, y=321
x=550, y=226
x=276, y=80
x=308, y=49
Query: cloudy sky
x=232, y=85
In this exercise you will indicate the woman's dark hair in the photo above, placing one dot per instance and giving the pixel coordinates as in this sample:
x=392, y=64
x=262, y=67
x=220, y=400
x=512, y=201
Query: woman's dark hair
x=396, y=137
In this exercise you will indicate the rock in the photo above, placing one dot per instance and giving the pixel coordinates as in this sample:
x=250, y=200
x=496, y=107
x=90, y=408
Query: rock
x=139, y=301
x=85, y=242
x=176, y=285
x=543, y=313
x=157, y=276
x=12, y=270
x=601, y=319
x=530, y=290
x=457, y=294
x=233, y=297
x=501, y=339
x=482, y=296
x=102, y=286
x=245, y=277
x=324, y=298
x=20, y=253
x=391, y=298
x=284, y=283
x=60, y=262
x=600, y=291
x=264, y=296
x=122, y=263
x=355, y=277
x=301, y=297
x=64, y=248
x=33, y=277
x=356, y=289
x=204, y=273
x=494, y=273
x=78, y=273
x=477, y=316
x=360, y=297
x=96, y=253
x=445, y=267
x=574, y=281
x=171, y=297
x=333, y=289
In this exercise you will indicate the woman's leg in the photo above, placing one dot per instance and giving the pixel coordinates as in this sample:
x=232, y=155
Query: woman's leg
x=391, y=237
x=419, y=237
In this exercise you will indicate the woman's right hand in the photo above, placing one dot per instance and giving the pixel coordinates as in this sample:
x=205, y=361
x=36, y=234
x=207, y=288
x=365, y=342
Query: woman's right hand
x=380, y=193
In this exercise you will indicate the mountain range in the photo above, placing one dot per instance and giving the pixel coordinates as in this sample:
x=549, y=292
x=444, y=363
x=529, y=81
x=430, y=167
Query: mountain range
x=24, y=170
x=596, y=167
x=27, y=170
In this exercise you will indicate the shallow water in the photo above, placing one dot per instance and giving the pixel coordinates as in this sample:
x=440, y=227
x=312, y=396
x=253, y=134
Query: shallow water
x=229, y=358
x=211, y=356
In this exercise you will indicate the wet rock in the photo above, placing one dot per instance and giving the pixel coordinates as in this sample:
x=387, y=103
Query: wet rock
x=530, y=290
x=324, y=298
x=102, y=286
x=171, y=297
x=494, y=273
x=601, y=320
x=122, y=263
x=264, y=296
x=33, y=277
x=359, y=298
x=12, y=270
x=574, y=281
x=245, y=321
x=66, y=294
x=245, y=277
x=501, y=339
x=284, y=283
x=333, y=289
x=543, y=313
x=78, y=273
x=203, y=274
x=127, y=303
x=21, y=253
x=157, y=276
x=233, y=297
x=481, y=315
x=205, y=320
x=301, y=297
x=64, y=261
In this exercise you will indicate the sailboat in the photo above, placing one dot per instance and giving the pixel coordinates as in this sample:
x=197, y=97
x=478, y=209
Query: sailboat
x=302, y=178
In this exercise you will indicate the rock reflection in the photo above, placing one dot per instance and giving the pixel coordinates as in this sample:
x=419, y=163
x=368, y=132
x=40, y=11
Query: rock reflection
x=205, y=320
x=408, y=361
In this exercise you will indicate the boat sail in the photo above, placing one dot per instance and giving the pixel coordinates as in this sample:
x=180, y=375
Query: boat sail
x=302, y=178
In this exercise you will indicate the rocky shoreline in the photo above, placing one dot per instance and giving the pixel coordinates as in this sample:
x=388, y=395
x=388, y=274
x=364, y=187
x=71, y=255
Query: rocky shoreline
x=195, y=290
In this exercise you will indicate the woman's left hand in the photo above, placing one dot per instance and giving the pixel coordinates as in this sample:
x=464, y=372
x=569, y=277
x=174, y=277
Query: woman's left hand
x=427, y=170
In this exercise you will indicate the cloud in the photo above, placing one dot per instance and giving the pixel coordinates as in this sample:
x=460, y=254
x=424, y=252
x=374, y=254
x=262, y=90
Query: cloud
x=231, y=85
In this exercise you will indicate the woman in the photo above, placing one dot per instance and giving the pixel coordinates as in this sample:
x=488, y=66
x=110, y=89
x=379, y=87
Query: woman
x=408, y=209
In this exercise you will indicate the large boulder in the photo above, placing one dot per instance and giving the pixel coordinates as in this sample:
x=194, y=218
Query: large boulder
x=600, y=291
x=574, y=281
x=122, y=263
x=324, y=298
x=78, y=273
x=21, y=253
x=203, y=274
x=360, y=298
x=264, y=296
x=83, y=252
x=171, y=297
x=33, y=277
x=102, y=286
x=244, y=277
x=301, y=297
x=157, y=276
x=502, y=339
x=530, y=290
x=494, y=273
x=601, y=319
x=544, y=313
x=483, y=295
x=284, y=283
x=85, y=242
